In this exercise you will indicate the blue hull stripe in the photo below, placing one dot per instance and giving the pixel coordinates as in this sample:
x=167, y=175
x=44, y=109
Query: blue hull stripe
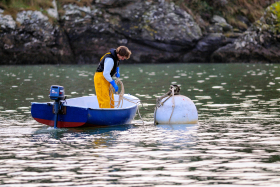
x=77, y=116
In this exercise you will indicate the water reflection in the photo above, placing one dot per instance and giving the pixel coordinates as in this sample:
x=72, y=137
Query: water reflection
x=235, y=143
x=179, y=127
x=60, y=133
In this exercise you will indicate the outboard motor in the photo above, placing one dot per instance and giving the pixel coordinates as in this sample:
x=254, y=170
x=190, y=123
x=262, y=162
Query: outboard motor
x=57, y=94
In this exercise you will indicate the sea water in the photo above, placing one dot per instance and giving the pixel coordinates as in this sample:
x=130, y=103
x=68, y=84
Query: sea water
x=235, y=143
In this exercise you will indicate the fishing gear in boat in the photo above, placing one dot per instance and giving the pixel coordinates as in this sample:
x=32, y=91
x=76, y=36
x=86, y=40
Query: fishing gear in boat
x=120, y=94
x=173, y=108
x=121, y=97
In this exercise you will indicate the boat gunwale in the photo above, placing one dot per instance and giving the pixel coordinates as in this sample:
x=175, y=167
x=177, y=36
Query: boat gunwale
x=135, y=105
x=127, y=96
x=47, y=103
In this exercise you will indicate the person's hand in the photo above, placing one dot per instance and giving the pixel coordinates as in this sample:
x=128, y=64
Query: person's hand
x=118, y=72
x=114, y=85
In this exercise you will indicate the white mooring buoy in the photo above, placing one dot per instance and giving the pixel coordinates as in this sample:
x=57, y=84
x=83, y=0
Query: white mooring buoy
x=173, y=108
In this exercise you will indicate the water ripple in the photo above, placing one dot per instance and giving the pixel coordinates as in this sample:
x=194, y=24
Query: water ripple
x=236, y=142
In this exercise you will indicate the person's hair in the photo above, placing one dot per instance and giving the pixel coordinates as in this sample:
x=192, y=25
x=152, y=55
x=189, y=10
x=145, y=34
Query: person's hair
x=123, y=51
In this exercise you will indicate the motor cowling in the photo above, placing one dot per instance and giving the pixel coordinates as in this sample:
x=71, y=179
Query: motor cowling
x=57, y=93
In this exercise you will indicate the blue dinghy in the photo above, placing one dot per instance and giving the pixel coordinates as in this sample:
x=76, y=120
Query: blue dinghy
x=84, y=111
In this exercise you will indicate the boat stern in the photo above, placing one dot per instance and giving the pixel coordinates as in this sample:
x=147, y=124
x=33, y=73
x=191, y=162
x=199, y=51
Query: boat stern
x=69, y=117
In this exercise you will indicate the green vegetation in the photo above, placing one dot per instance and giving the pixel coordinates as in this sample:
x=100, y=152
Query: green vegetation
x=272, y=15
x=12, y=7
x=270, y=21
x=77, y=2
x=25, y=4
x=231, y=10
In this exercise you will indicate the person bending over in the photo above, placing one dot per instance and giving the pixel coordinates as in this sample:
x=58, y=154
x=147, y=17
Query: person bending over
x=107, y=68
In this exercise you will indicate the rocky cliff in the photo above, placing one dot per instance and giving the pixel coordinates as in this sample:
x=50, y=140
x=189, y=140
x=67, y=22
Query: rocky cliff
x=155, y=32
x=260, y=43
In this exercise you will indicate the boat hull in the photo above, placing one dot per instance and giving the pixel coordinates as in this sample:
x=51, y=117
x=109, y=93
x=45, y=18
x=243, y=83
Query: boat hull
x=75, y=116
x=103, y=117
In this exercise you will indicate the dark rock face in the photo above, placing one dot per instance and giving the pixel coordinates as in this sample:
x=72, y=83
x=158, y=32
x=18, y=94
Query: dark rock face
x=155, y=32
x=241, y=51
x=35, y=41
x=205, y=47
x=260, y=43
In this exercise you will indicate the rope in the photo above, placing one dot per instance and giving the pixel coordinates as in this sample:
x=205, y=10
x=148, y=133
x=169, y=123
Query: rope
x=120, y=94
x=121, y=97
x=174, y=90
x=173, y=104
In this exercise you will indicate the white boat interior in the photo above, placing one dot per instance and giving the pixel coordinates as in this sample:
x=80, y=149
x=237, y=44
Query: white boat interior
x=91, y=102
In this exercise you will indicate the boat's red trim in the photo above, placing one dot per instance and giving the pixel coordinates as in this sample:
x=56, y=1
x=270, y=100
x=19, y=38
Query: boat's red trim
x=60, y=124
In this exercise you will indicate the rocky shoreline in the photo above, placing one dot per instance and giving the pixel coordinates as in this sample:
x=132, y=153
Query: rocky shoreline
x=155, y=32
